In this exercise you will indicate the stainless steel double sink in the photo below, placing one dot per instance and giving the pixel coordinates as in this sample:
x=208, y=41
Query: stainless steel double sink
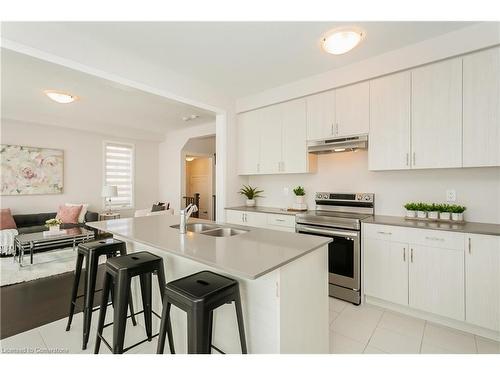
x=213, y=230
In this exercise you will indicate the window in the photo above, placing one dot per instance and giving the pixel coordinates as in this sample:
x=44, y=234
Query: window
x=119, y=171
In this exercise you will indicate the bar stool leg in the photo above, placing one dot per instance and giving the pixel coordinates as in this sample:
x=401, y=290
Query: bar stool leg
x=165, y=328
x=198, y=330
x=122, y=291
x=145, y=280
x=123, y=251
x=74, y=292
x=91, y=276
x=210, y=330
x=241, y=327
x=102, y=311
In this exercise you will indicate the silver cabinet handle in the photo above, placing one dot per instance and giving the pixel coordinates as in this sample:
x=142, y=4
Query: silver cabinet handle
x=404, y=254
x=411, y=255
x=470, y=246
x=281, y=220
x=332, y=132
x=385, y=233
x=337, y=128
x=434, y=239
x=414, y=158
x=407, y=159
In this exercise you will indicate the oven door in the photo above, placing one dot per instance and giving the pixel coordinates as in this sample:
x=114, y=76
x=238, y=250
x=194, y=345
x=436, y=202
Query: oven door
x=343, y=254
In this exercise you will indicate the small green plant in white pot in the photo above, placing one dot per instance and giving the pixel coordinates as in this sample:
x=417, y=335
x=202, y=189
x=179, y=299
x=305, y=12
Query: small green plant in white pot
x=444, y=211
x=300, y=195
x=422, y=209
x=457, y=212
x=251, y=193
x=411, y=209
x=433, y=212
x=53, y=224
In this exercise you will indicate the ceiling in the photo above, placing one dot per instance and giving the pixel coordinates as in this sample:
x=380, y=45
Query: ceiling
x=237, y=58
x=104, y=106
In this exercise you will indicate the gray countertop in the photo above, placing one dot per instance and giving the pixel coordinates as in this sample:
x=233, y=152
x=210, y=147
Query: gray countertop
x=266, y=210
x=467, y=227
x=248, y=255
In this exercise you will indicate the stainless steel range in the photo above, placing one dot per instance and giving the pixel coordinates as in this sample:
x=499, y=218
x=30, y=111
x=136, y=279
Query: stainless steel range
x=338, y=216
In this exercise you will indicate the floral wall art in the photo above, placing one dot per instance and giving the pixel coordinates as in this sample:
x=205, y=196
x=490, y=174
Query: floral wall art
x=31, y=170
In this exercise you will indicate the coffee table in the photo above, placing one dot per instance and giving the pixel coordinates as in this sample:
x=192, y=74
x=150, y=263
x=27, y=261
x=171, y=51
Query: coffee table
x=34, y=241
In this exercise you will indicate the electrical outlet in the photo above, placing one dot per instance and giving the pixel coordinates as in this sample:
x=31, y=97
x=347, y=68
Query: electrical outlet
x=451, y=195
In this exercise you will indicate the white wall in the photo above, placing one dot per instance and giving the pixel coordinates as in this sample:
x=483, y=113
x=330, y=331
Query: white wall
x=477, y=188
x=83, y=162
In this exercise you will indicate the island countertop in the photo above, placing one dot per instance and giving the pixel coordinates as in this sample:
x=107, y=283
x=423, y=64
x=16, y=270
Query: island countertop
x=248, y=255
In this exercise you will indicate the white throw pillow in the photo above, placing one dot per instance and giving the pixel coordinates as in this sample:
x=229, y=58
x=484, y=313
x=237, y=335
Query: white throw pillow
x=83, y=212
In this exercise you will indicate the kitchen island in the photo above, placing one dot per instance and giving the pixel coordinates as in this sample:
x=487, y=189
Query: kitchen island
x=283, y=281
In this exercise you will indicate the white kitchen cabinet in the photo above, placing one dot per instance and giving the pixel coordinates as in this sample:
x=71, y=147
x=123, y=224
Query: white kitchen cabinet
x=352, y=110
x=295, y=158
x=482, y=280
x=436, y=280
x=261, y=220
x=270, y=139
x=320, y=115
x=386, y=270
x=389, y=146
x=249, y=124
x=481, y=111
x=437, y=115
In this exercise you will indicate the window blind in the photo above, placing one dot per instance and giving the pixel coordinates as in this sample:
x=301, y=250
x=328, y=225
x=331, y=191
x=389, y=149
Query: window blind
x=119, y=171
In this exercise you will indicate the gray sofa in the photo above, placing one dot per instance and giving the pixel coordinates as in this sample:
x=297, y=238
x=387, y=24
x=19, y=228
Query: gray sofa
x=31, y=223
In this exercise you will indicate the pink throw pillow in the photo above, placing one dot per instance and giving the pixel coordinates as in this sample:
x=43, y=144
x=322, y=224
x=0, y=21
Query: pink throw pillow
x=69, y=214
x=6, y=219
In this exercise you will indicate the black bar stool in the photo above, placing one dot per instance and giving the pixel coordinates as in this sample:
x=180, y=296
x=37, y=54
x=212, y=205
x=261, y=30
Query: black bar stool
x=91, y=251
x=199, y=295
x=119, y=272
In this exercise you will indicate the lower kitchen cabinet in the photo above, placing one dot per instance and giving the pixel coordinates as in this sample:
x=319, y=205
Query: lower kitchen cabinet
x=386, y=270
x=261, y=220
x=482, y=280
x=436, y=280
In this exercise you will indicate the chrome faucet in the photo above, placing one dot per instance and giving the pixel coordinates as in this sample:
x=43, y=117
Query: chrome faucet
x=185, y=214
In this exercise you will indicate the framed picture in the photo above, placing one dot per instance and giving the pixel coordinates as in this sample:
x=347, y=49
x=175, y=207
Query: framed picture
x=31, y=170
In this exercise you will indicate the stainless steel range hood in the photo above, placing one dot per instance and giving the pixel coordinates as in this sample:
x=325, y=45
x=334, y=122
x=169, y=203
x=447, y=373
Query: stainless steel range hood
x=339, y=144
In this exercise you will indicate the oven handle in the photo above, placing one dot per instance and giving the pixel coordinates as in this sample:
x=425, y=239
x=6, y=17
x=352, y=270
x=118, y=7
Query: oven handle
x=307, y=229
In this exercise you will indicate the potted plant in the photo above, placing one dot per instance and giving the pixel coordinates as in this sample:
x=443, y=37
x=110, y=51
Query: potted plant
x=300, y=194
x=444, y=211
x=433, y=212
x=250, y=193
x=422, y=210
x=53, y=224
x=411, y=209
x=457, y=212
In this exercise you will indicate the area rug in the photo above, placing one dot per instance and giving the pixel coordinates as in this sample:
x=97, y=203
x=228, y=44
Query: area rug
x=45, y=264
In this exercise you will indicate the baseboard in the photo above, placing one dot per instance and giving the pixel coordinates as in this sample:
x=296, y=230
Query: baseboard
x=452, y=323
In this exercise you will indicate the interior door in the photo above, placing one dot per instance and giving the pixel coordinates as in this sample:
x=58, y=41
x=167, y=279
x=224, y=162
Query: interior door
x=200, y=184
x=390, y=122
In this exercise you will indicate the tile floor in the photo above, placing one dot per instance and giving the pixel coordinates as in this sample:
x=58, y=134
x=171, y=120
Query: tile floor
x=353, y=330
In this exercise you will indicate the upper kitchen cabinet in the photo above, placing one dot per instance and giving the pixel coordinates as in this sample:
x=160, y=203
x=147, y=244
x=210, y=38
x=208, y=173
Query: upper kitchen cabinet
x=481, y=101
x=352, y=110
x=437, y=115
x=390, y=122
x=249, y=142
x=321, y=115
x=270, y=139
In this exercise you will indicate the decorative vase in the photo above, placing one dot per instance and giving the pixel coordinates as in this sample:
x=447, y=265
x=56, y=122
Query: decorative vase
x=444, y=215
x=250, y=202
x=433, y=215
x=422, y=214
x=457, y=216
x=411, y=213
x=54, y=228
x=300, y=199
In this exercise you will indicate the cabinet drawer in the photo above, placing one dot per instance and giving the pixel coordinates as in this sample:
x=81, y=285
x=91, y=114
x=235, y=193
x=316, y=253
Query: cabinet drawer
x=436, y=238
x=281, y=220
x=385, y=232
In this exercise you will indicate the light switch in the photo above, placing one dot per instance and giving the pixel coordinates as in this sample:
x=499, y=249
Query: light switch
x=451, y=195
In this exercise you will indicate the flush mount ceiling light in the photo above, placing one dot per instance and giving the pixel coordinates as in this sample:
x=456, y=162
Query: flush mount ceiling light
x=60, y=97
x=341, y=40
x=189, y=118
x=189, y=158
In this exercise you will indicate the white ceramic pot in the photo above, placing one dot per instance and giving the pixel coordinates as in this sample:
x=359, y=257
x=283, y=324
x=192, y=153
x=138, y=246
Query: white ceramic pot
x=457, y=216
x=433, y=215
x=54, y=228
x=300, y=199
x=444, y=215
x=422, y=214
x=250, y=202
x=411, y=213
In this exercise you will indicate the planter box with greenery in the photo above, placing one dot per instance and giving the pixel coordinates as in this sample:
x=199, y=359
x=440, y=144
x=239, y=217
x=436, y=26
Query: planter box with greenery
x=432, y=211
x=457, y=212
x=251, y=193
x=435, y=211
x=411, y=209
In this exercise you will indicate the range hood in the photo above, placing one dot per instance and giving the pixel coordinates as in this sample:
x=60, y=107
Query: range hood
x=339, y=144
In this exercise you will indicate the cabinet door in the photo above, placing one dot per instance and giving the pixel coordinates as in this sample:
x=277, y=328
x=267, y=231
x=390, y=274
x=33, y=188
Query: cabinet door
x=295, y=156
x=482, y=281
x=389, y=146
x=482, y=108
x=386, y=270
x=235, y=217
x=270, y=139
x=352, y=109
x=249, y=142
x=256, y=219
x=437, y=115
x=320, y=115
x=437, y=281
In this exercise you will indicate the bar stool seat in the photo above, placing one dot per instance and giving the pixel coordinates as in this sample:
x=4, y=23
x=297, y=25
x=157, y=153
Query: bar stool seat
x=199, y=295
x=91, y=252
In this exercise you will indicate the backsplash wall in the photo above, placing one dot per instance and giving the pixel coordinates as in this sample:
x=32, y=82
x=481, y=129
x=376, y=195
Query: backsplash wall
x=477, y=188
